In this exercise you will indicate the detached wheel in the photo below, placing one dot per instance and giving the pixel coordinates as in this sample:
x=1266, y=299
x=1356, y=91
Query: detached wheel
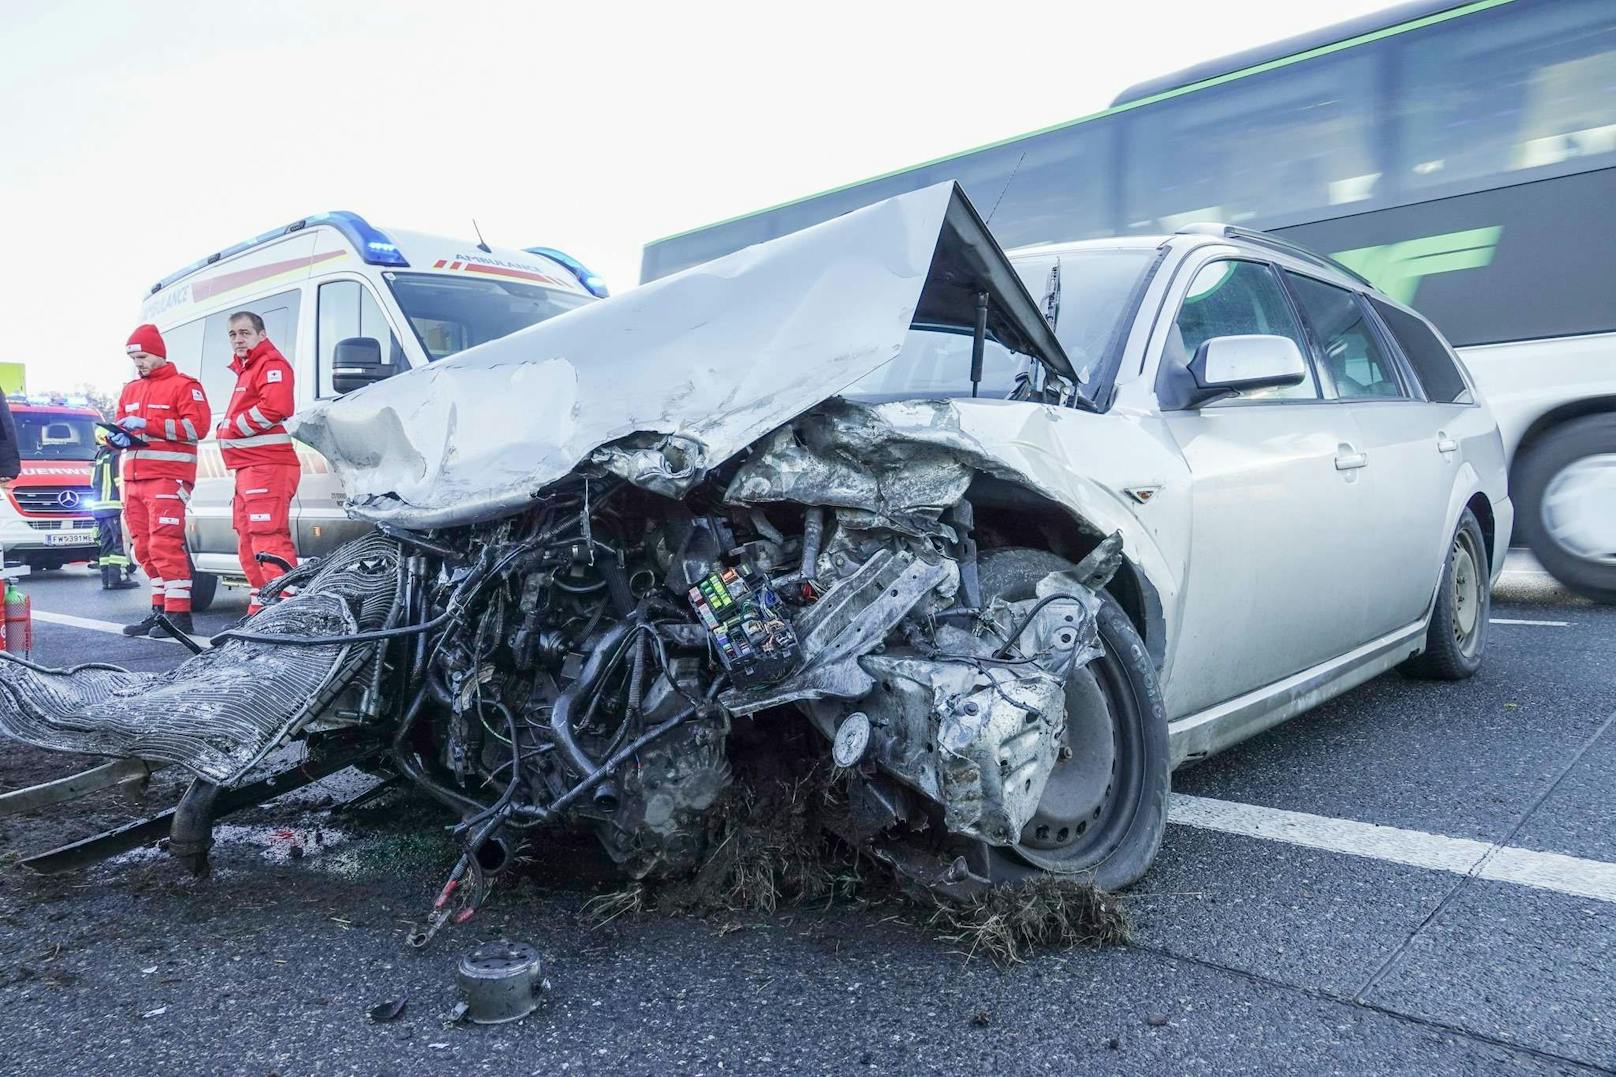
x=204, y=586
x=1565, y=495
x=1104, y=808
x=1457, y=635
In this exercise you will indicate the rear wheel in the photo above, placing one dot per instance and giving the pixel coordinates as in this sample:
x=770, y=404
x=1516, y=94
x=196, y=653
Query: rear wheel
x=1104, y=808
x=1457, y=635
x=1565, y=494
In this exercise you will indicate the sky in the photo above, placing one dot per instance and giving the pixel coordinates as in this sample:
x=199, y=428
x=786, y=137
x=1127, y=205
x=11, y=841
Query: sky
x=141, y=137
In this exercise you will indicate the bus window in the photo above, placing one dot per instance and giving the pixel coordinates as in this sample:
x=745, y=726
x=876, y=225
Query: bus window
x=1049, y=188
x=279, y=312
x=1518, y=90
x=347, y=309
x=1262, y=148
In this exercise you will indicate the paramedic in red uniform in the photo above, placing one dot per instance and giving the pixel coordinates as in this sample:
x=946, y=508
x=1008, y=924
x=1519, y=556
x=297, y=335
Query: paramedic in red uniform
x=167, y=413
x=256, y=446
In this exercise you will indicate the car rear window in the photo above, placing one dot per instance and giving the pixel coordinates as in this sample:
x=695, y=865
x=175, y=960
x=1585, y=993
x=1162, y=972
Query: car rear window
x=1430, y=358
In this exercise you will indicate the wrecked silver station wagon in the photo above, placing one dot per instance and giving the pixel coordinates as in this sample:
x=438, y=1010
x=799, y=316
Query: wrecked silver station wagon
x=849, y=478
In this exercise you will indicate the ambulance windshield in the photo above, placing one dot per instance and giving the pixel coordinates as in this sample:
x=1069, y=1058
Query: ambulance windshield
x=450, y=314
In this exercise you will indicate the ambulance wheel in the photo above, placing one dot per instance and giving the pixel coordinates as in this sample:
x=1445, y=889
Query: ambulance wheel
x=204, y=586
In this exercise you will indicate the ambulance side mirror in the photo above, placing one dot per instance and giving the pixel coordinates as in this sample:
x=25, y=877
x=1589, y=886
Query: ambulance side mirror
x=357, y=362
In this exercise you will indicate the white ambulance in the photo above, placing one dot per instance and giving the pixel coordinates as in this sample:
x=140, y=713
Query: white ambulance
x=347, y=304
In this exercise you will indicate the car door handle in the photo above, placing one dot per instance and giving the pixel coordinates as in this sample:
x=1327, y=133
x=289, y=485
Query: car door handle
x=1351, y=461
x=1445, y=444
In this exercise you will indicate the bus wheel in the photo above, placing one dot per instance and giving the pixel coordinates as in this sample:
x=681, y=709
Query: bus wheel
x=204, y=586
x=1565, y=490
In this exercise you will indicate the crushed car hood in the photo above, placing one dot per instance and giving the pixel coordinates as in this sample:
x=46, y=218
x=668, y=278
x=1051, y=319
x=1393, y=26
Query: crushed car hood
x=689, y=369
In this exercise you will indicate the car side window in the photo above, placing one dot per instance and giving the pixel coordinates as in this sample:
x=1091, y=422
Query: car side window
x=1431, y=359
x=1348, y=346
x=1237, y=298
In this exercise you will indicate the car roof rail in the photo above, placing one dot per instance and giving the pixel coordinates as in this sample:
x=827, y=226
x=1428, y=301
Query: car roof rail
x=1272, y=242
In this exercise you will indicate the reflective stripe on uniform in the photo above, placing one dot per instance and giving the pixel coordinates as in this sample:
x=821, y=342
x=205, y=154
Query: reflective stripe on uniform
x=169, y=430
x=258, y=417
x=159, y=454
x=253, y=442
x=190, y=431
x=178, y=588
x=244, y=425
x=260, y=490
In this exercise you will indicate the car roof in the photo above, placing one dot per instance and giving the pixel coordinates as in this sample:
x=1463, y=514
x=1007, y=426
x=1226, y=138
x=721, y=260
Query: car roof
x=1198, y=236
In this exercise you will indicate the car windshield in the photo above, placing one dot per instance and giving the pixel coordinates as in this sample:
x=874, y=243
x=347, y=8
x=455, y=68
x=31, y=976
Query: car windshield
x=1096, y=296
x=451, y=314
x=55, y=437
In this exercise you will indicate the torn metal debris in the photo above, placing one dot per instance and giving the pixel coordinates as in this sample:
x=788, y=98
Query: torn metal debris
x=500, y=981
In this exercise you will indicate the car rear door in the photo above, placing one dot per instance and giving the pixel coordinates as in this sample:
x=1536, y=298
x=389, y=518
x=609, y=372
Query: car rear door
x=1410, y=461
x=1277, y=507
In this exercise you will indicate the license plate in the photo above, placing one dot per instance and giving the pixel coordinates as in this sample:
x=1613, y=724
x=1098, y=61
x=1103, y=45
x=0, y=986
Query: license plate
x=66, y=538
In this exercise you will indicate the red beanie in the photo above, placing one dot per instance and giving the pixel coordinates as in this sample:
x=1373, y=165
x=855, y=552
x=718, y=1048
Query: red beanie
x=147, y=339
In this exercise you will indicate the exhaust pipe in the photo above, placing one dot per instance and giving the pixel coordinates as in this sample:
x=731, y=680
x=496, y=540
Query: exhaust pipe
x=190, y=836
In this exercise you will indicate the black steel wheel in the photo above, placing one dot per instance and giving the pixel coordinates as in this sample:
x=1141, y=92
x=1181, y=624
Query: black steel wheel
x=1457, y=636
x=1104, y=808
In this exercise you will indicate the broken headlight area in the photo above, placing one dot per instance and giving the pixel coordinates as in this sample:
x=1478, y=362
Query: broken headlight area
x=586, y=661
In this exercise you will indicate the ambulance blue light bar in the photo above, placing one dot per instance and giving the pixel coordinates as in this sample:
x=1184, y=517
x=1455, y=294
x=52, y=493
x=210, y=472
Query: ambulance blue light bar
x=592, y=282
x=374, y=246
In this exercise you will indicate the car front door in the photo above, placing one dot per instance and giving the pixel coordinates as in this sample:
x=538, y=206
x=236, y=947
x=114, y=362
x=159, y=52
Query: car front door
x=1276, y=509
x=1410, y=459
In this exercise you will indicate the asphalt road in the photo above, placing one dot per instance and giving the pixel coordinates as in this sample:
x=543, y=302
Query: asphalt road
x=1414, y=878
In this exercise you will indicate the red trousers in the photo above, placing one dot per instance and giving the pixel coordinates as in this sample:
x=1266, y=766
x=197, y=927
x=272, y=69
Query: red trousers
x=262, y=513
x=154, y=511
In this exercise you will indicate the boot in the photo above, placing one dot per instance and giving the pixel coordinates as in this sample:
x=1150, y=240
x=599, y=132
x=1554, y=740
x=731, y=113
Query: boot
x=113, y=579
x=181, y=621
x=144, y=626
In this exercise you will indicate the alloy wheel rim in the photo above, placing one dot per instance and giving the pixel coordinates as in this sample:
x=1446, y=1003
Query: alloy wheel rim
x=1578, y=508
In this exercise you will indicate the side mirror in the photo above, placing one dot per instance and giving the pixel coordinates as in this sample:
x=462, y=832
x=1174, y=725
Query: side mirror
x=357, y=362
x=1223, y=366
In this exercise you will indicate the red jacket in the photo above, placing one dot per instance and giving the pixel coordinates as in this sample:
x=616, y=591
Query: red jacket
x=253, y=431
x=176, y=414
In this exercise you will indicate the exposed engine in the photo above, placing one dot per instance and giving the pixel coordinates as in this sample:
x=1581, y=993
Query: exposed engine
x=618, y=551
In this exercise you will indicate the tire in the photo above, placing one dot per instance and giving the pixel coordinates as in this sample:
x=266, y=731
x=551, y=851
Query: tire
x=1548, y=476
x=204, y=586
x=1114, y=845
x=1456, y=639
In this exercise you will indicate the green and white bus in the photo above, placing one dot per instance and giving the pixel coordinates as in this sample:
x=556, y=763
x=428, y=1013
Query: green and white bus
x=1460, y=155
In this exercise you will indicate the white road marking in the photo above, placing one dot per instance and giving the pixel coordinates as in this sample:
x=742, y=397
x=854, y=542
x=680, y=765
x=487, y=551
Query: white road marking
x=1417, y=848
x=101, y=626
x=1544, y=624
